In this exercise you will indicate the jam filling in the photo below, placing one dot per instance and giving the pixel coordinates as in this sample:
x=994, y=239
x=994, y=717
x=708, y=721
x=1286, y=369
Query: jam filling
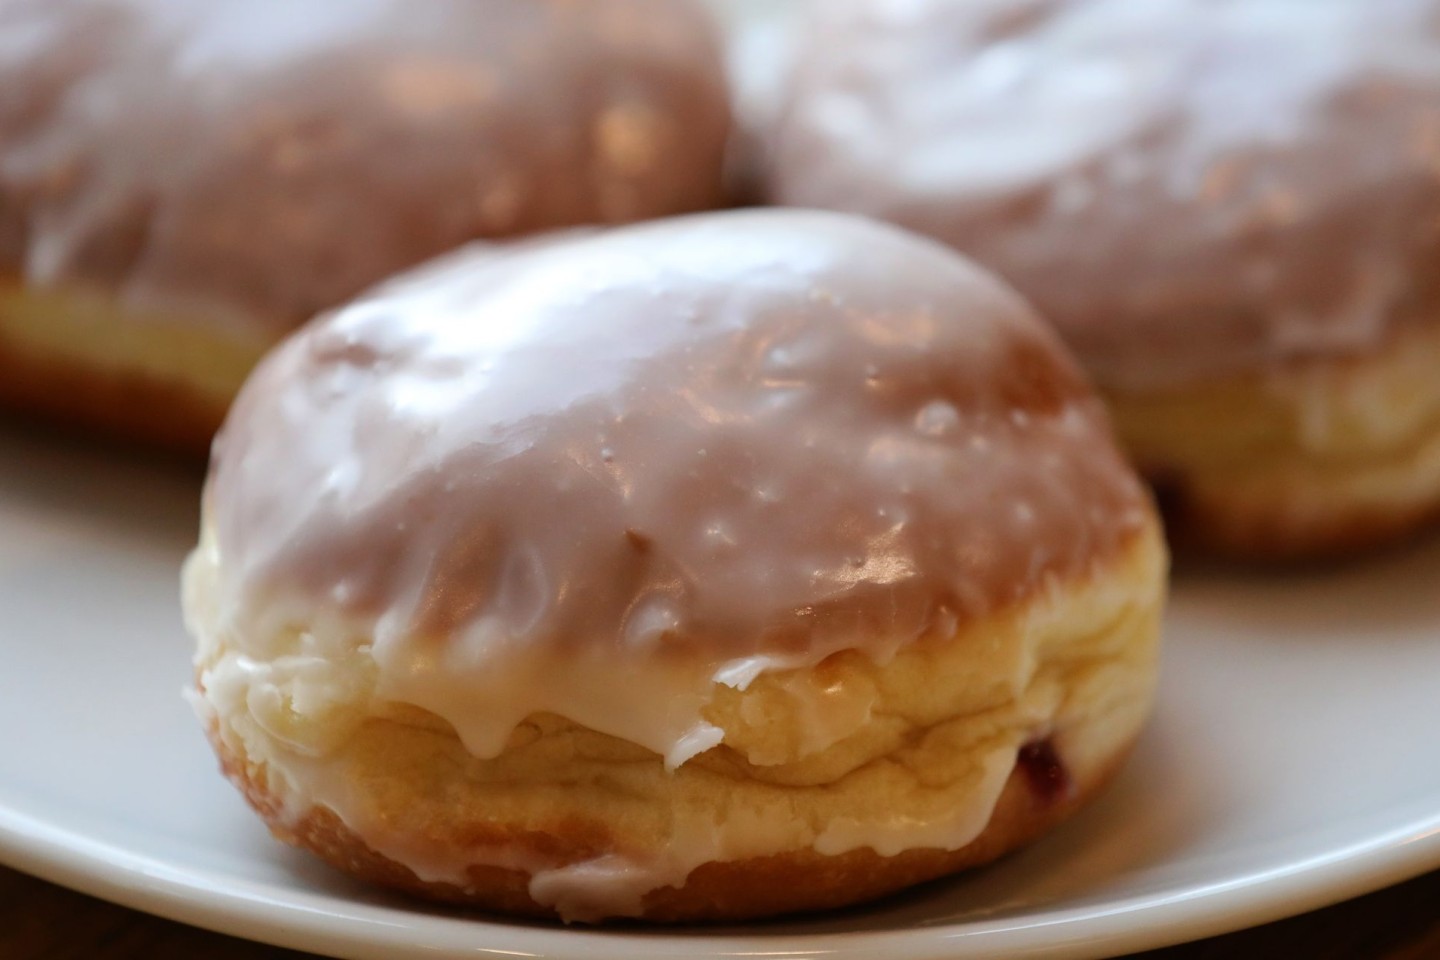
x=1044, y=770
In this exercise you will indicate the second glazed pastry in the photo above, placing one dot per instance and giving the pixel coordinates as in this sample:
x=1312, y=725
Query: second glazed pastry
x=1230, y=208
x=183, y=182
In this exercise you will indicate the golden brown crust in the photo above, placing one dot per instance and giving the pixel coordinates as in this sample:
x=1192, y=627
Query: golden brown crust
x=792, y=882
x=1254, y=530
x=1313, y=460
x=129, y=406
x=74, y=357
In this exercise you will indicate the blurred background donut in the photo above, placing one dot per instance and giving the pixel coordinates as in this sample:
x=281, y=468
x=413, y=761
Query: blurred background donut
x=1229, y=208
x=182, y=183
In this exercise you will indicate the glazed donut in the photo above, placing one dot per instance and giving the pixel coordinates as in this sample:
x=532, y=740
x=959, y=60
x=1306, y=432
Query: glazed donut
x=718, y=567
x=1230, y=209
x=182, y=183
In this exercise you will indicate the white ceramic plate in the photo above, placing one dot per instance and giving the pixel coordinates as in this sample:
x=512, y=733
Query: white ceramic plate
x=1292, y=763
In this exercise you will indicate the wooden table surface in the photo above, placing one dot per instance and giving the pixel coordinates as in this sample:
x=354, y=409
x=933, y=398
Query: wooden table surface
x=39, y=921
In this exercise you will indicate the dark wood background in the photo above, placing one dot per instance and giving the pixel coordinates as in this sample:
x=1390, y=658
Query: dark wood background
x=39, y=921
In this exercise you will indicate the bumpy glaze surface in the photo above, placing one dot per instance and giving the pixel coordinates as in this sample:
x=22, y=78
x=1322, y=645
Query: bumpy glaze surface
x=1188, y=188
x=254, y=161
x=597, y=475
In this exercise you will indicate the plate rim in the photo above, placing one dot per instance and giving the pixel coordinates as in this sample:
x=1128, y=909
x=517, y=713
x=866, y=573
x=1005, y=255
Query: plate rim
x=308, y=921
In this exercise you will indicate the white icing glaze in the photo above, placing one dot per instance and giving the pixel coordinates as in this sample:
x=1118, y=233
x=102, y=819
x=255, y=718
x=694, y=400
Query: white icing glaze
x=1187, y=188
x=664, y=451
